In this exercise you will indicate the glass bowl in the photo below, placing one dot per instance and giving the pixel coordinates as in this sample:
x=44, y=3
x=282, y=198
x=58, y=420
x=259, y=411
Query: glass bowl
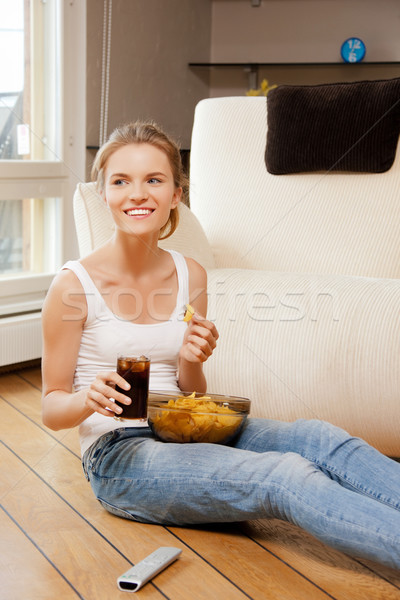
x=192, y=417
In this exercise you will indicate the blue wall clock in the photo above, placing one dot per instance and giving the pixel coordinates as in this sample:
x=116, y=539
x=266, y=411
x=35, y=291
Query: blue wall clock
x=353, y=50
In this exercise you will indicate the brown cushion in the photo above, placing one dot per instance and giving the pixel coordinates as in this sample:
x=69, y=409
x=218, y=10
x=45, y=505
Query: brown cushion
x=333, y=127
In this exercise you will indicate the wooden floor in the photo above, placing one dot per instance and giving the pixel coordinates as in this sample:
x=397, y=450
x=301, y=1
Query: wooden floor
x=56, y=541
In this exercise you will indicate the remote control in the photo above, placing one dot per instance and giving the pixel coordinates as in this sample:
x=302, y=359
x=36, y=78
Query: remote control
x=147, y=568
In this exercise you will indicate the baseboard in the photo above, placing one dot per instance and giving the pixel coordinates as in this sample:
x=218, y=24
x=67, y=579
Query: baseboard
x=27, y=364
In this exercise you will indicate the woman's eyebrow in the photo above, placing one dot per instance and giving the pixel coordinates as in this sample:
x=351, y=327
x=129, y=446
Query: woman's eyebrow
x=153, y=174
x=117, y=175
x=156, y=173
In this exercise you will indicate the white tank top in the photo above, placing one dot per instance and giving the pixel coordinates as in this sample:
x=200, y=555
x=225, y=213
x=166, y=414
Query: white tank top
x=105, y=335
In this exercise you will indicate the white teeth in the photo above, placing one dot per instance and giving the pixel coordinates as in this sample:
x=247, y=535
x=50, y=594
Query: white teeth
x=138, y=211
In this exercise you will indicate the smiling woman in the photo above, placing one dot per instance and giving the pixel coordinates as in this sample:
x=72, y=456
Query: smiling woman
x=307, y=472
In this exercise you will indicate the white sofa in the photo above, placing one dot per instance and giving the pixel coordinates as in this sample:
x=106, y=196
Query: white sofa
x=303, y=276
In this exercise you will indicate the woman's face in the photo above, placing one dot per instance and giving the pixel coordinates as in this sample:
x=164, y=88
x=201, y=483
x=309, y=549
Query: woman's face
x=139, y=188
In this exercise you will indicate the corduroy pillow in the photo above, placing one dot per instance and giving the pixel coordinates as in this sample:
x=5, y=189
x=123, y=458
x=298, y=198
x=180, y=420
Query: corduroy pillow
x=333, y=127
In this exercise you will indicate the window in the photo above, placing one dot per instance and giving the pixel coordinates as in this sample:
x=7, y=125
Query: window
x=42, y=148
x=29, y=112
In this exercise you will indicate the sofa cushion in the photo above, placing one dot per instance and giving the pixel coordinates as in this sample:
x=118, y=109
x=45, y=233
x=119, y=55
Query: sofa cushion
x=333, y=127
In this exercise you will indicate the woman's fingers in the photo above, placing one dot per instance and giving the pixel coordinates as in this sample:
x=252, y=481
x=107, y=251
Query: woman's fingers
x=204, y=330
x=197, y=353
x=204, y=346
x=201, y=339
x=102, y=394
x=108, y=409
x=202, y=322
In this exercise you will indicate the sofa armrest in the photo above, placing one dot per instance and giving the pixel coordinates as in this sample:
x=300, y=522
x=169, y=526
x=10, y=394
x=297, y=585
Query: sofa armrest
x=309, y=346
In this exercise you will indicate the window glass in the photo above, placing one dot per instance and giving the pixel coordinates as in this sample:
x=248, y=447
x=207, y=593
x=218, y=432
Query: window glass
x=29, y=73
x=28, y=241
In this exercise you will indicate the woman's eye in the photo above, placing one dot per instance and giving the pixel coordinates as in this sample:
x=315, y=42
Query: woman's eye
x=118, y=182
x=154, y=180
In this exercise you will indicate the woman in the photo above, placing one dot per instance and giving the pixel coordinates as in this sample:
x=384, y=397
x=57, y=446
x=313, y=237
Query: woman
x=128, y=297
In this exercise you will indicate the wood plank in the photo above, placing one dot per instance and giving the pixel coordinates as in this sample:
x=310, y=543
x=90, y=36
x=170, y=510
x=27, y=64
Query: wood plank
x=23, y=395
x=235, y=554
x=10, y=477
x=386, y=573
x=18, y=555
x=20, y=393
x=338, y=574
x=33, y=376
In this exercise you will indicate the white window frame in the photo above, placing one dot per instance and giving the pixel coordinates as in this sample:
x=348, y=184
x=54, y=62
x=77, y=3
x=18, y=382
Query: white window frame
x=37, y=179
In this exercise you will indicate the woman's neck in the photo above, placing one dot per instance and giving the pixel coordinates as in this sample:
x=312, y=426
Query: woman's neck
x=126, y=253
x=134, y=253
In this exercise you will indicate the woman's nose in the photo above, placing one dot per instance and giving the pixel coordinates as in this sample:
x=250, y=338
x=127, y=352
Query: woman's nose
x=138, y=193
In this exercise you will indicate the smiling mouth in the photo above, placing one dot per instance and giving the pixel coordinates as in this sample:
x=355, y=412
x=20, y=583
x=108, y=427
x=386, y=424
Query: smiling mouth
x=138, y=212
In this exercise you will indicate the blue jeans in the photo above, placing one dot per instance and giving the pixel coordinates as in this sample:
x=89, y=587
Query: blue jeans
x=310, y=473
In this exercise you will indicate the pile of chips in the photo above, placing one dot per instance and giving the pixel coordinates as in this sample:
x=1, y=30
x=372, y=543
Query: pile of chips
x=191, y=419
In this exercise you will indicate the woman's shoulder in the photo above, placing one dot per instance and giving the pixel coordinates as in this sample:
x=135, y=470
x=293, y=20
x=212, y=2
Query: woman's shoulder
x=64, y=288
x=196, y=271
x=66, y=278
x=197, y=285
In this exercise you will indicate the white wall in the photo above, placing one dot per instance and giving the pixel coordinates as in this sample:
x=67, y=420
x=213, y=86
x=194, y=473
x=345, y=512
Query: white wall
x=302, y=31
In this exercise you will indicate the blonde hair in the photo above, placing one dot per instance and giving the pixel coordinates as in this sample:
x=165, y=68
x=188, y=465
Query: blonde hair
x=144, y=133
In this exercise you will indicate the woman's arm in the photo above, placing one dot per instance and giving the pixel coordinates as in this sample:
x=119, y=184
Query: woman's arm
x=201, y=335
x=63, y=316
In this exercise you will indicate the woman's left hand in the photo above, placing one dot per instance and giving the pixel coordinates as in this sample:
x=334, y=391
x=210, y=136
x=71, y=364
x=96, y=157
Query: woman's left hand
x=199, y=341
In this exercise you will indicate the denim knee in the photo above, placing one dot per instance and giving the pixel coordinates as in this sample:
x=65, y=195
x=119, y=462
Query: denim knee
x=320, y=441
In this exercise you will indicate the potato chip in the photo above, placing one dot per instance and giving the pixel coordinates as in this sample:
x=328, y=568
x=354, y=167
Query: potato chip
x=189, y=312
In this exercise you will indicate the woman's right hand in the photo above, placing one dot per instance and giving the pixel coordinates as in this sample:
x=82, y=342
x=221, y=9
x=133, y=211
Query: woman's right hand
x=102, y=393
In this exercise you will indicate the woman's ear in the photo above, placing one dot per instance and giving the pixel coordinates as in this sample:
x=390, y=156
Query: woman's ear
x=102, y=193
x=176, y=198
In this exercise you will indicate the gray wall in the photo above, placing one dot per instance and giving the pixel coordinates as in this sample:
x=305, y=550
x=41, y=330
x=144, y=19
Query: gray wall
x=152, y=43
x=291, y=31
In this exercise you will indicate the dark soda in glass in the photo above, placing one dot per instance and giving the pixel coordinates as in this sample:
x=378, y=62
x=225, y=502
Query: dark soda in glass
x=135, y=370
